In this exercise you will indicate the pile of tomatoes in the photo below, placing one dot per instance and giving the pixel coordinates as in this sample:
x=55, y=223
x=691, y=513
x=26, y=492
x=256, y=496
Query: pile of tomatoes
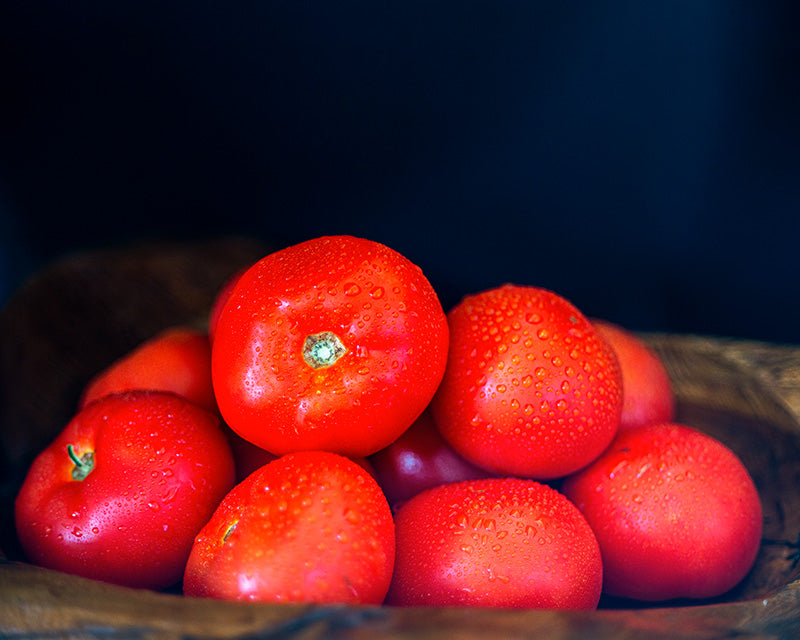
x=333, y=436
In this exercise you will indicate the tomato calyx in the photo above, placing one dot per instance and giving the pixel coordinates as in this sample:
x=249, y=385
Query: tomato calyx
x=322, y=350
x=83, y=465
x=231, y=528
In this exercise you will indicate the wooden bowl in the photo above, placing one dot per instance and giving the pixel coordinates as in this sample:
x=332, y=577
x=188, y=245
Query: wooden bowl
x=74, y=317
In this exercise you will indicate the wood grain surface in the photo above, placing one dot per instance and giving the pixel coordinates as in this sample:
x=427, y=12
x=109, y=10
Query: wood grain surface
x=80, y=313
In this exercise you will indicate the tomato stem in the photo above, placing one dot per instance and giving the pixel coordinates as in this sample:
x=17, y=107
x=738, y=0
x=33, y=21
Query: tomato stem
x=83, y=465
x=323, y=349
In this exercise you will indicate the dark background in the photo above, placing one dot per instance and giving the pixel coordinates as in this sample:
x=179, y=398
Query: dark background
x=642, y=159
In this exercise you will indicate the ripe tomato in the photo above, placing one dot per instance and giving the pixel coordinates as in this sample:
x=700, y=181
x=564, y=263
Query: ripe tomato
x=310, y=526
x=336, y=343
x=122, y=491
x=420, y=459
x=219, y=302
x=248, y=457
x=177, y=359
x=646, y=388
x=498, y=542
x=675, y=512
x=531, y=389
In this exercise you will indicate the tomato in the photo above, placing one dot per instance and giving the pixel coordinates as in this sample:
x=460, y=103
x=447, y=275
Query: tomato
x=336, y=344
x=646, y=388
x=531, y=389
x=311, y=526
x=219, y=302
x=497, y=542
x=675, y=512
x=177, y=359
x=420, y=459
x=122, y=491
x=248, y=457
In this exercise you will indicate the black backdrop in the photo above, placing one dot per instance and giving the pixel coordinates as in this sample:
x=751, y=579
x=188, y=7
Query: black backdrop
x=642, y=159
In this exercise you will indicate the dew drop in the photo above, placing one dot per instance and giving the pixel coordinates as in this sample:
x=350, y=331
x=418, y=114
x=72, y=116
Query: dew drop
x=527, y=409
x=352, y=516
x=544, y=406
x=527, y=381
x=351, y=289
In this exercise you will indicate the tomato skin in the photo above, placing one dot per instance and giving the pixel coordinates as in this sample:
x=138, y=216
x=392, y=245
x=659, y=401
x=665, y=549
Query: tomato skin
x=385, y=315
x=675, y=512
x=311, y=526
x=420, y=459
x=497, y=542
x=177, y=359
x=647, y=395
x=531, y=389
x=161, y=466
x=248, y=457
x=219, y=302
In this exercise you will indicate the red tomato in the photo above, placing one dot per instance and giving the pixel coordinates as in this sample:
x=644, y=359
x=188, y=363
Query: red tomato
x=177, y=359
x=420, y=459
x=674, y=510
x=498, y=542
x=336, y=343
x=122, y=491
x=311, y=526
x=531, y=389
x=219, y=302
x=248, y=457
x=646, y=388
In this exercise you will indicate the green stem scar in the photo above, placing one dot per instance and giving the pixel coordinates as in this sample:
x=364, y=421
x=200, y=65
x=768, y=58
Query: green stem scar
x=323, y=349
x=229, y=531
x=83, y=465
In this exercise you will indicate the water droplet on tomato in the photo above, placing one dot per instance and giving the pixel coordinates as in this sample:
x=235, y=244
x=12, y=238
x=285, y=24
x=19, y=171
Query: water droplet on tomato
x=352, y=516
x=544, y=406
x=351, y=289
